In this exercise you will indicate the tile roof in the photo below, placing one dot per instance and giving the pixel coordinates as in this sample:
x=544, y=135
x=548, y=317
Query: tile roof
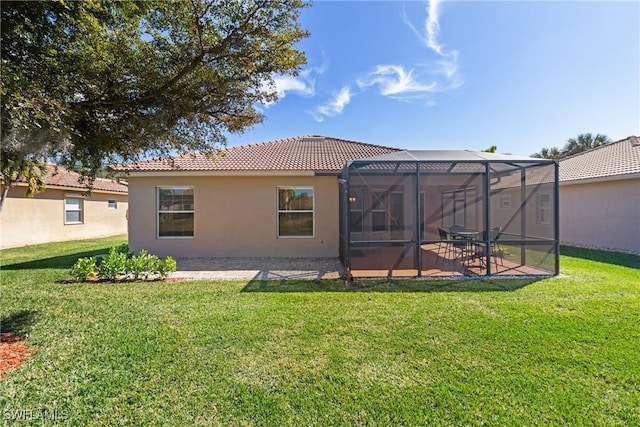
x=303, y=153
x=616, y=159
x=59, y=176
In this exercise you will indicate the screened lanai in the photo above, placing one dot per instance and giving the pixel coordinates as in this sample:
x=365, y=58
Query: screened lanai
x=449, y=213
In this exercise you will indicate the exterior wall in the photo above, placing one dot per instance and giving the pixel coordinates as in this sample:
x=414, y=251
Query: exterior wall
x=387, y=184
x=433, y=186
x=234, y=217
x=40, y=219
x=603, y=214
x=510, y=219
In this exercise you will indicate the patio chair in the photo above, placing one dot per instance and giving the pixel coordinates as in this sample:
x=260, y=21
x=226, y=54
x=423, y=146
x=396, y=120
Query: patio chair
x=461, y=244
x=480, y=251
x=496, y=250
x=444, y=248
x=481, y=248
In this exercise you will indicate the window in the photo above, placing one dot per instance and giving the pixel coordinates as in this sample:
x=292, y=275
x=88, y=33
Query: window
x=175, y=212
x=295, y=212
x=543, y=208
x=396, y=209
x=422, y=213
x=356, y=210
x=73, y=211
x=458, y=208
x=112, y=204
x=379, y=211
x=447, y=209
x=505, y=201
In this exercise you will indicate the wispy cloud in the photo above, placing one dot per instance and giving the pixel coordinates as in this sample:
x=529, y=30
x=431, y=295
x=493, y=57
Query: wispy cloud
x=333, y=107
x=417, y=82
x=304, y=84
x=433, y=26
x=446, y=68
x=395, y=82
x=300, y=85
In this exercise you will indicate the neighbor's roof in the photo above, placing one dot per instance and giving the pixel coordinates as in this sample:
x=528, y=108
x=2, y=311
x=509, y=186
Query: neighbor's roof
x=617, y=159
x=303, y=153
x=59, y=176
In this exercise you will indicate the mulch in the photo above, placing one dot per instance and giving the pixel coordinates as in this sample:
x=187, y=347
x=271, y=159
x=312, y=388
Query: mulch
x=13, y=352
x=121, y=280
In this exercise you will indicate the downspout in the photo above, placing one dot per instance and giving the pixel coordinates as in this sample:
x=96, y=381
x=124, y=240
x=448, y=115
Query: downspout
x=556, y=215
x=418, y=218
x=487, y=219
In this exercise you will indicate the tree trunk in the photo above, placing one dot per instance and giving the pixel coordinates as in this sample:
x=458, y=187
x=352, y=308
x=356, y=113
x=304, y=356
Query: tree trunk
x=5, y=191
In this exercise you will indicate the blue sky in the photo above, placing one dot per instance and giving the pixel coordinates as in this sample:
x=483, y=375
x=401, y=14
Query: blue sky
x=462, y=75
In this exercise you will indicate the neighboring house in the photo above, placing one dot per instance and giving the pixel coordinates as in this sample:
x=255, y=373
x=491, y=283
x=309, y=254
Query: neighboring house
x=316, y=196
x=63, y=211
x=600, y=196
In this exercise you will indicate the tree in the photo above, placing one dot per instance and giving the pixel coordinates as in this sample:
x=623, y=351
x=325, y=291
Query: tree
x=91, y=82
x=548, y=153
x=582, y=142
x=491, y=149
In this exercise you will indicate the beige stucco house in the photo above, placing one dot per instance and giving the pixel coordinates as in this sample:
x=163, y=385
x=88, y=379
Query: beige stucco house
x=63, y=211
x=369, y=205
x=600, y=196
x=274, y=199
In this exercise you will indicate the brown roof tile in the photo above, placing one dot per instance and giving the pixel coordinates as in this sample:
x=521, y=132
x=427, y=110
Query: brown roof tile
x=615, y=159
x=304, y=153
x=59, y=176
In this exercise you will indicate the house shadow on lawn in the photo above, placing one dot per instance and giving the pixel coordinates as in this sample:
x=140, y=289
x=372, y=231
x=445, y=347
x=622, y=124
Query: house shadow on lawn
x=18, y=323
x=62, y=261
x=609, y=257
x=386, y=285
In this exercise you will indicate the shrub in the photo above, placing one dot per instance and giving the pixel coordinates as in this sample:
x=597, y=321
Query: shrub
x=83, y=269
x=123, y=249
x=120, y=262
x=113, y=265
x=138, y=265
x=167, y=266
x=154, y=265
x=145, y=265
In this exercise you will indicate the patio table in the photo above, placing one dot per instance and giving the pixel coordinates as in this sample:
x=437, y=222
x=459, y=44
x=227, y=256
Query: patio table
x=467, y=238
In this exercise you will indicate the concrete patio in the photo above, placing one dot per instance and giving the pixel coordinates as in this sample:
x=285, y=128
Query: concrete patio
x=257, y=268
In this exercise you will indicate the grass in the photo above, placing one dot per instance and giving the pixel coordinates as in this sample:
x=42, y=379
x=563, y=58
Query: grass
x=559, y=351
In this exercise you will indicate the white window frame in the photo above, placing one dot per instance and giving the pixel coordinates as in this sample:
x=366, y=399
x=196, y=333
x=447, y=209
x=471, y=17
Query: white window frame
x=158, y=211
x=360, y=191
x=467, y=210
x=391, y=217
x=505, y=201
x=540, y=216
x=111, y=202
x=385, y=208
x=81, y=210
x=279, y=211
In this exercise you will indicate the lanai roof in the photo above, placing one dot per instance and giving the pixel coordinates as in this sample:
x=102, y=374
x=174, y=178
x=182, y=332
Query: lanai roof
x=445, y=161
x=449, y=156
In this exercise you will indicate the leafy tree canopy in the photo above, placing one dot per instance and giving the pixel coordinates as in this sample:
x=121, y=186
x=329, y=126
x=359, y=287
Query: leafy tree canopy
x=491, y=149
x=91, y=82
x=582, y=142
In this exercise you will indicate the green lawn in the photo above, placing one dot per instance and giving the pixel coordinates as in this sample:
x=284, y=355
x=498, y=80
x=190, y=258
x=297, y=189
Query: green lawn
x=560, y=351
